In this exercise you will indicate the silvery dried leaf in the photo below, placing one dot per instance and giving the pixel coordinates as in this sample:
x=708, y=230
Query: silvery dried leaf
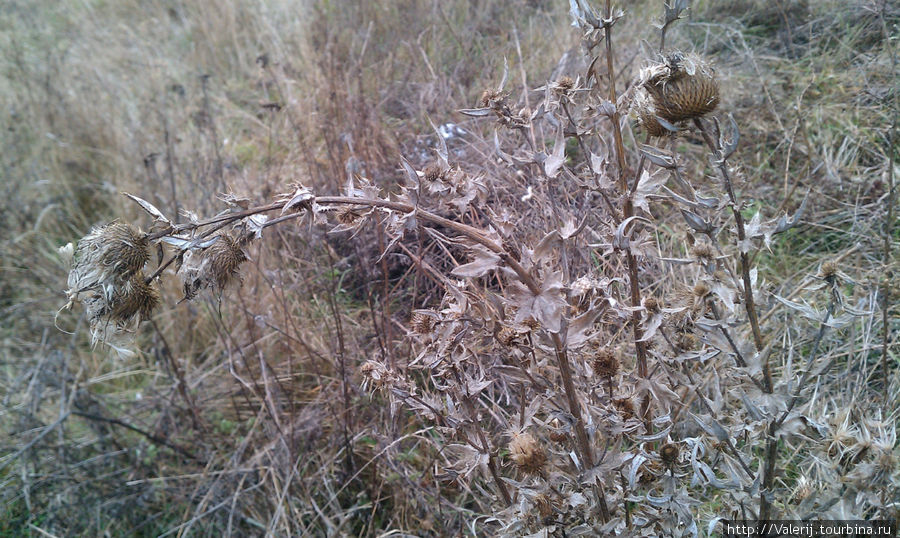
x=484, y=261
x=476, y=112
x=657, y=157
x=554, y=162
x=185, y=243
x=785, y=223
x=648, y=185
x=730, y=144
x=302, y=197
x=256, y=223
x=697, y=222
x=149, y=208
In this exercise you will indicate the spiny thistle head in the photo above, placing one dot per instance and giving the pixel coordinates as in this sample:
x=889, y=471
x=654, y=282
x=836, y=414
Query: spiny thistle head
x=682, y=87
x=625, y=407
x=702, y=251
x=108, y=256
x=605, y=363
x=216, y=266
x=646, y=114
x=829, y=270
x=508, y=336
x=422, y=322
x=669, y=453
x=226, y=255
x=701, y=290
x=527, y=453
x=138, y=298
x=112, y=315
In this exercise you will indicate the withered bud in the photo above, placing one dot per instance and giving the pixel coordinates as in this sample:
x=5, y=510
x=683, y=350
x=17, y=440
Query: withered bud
x=564, y=84
x=225, y=256
x=625, y=407
x=605, y=363
x=669, y=453
x=701, y=290
x=544, y=505
x=492, y=98
x=829, y=270
x=702, y=251
x=507, y=336
x=527, y=453
x=376, y=373
x=558, y=433
x=531, y=323
x=216, y=267
x=137, y=298
x=686, y=341
x=422, y=323
x=434, y=172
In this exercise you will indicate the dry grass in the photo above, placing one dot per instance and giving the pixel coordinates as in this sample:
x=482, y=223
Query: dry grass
x=398, y=380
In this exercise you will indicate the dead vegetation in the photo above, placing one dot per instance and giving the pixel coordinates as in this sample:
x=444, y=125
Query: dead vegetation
x=626, y=292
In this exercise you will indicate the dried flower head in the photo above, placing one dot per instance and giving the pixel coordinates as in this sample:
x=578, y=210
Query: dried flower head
x=605, y=363
x=625, y=407
x=702, y=251
x=215, y=267
x=107, y=257
x=527, y=453
x=112, y=316
x=434, y=172
x=682, y=87
x=686, y=341
x=507, y=336
x=669, y=453
x=347, y=215
x=422, y=322
x=492, y=98
x=376, y=374
x=646, y=114
x=544, y=505
x=531, y=323
x=829, y=270
x=701, y=290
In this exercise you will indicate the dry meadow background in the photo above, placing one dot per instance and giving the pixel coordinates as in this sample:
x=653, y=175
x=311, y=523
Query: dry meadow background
x=360, y=383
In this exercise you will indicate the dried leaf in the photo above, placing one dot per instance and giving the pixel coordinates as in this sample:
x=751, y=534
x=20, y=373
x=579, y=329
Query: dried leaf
x=484, y=261
x=554, y=162
x=149, y=208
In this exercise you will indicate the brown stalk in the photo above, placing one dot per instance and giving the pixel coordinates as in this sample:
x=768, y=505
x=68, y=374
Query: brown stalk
x=628, y=209
x=742, y=236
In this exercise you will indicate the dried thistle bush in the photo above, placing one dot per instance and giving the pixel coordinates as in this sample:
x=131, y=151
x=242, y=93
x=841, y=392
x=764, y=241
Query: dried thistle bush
x=672, y=382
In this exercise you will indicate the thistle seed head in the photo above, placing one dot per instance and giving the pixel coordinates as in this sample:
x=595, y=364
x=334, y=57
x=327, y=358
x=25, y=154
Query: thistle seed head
x=646, y=114
x=605, y=363
x=701, y=290
x=527, y=453
x=507, y=336
x=669, y=453
x=215, y=267
x=422, y=322
x=108, y=256
x=683, y=87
